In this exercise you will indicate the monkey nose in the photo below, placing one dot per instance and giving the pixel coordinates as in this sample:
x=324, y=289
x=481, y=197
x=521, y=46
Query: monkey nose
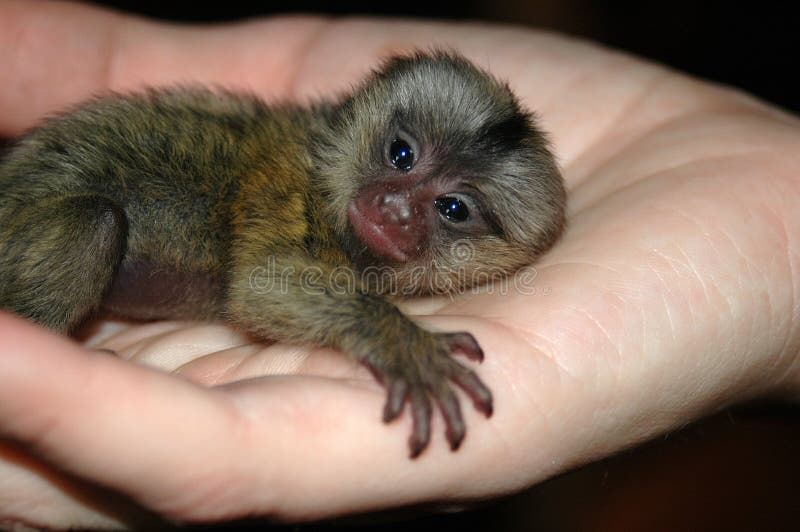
x=395, y=208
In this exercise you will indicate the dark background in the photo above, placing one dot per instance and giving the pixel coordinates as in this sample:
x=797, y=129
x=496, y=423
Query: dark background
x=739, y=470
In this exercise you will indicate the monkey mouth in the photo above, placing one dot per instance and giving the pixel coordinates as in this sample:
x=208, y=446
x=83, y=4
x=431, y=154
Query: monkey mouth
x=374, y=235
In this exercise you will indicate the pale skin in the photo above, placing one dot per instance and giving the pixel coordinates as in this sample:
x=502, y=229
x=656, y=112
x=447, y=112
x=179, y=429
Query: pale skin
x=672, y=294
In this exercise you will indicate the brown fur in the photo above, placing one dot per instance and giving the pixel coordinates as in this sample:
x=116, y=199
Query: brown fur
x=206, y=204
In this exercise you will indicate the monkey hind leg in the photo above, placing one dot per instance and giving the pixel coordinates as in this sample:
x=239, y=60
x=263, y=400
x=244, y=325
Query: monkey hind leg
x=58, y=256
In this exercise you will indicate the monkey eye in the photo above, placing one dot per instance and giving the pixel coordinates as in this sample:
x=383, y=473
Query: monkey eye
x=401, y=154
x=452, y=208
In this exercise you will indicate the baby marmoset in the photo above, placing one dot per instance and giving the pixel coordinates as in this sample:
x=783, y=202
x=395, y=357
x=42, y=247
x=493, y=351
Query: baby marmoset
x=167, y=203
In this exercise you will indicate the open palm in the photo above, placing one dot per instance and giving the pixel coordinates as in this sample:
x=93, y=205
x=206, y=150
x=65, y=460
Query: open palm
x=671, y=294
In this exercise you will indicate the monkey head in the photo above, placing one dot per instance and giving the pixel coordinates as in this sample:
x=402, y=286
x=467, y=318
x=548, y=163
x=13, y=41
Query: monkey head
x=432, y=168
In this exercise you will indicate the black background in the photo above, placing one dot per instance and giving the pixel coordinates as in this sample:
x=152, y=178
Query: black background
x=738, y=470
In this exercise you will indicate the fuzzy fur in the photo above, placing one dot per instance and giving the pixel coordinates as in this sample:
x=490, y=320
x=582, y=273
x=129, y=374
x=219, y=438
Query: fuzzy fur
x=167, y=203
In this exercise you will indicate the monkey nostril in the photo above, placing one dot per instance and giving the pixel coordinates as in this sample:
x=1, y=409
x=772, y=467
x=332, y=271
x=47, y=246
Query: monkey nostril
x=394, y=208
x=404, y=214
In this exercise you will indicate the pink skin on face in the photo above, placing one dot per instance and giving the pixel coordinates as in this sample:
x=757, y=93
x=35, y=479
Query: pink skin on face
x=393, y=217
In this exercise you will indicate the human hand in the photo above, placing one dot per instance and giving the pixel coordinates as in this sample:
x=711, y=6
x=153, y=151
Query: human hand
x=670, y=296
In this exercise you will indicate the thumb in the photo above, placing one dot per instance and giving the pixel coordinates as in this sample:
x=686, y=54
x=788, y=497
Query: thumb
x=56, y=54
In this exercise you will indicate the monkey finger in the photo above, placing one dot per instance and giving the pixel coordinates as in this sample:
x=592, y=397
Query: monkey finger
x=421, y=414
x=451, y=411
x=465, y=343
x=395, y=398
x=468, y=381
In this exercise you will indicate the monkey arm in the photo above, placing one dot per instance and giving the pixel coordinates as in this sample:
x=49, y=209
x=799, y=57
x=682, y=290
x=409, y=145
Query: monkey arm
x=296, y=298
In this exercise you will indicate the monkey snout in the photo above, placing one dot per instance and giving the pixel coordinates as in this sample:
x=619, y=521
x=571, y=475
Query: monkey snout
x=389, y=223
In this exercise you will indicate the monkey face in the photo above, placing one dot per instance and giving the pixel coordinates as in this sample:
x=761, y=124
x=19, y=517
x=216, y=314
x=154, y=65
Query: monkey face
x=432, y=168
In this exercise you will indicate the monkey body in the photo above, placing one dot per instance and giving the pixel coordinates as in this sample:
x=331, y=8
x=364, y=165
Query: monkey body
x=187, y=203
x=173, y=172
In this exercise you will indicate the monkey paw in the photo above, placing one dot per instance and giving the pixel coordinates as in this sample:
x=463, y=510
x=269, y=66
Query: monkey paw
x=419, y=370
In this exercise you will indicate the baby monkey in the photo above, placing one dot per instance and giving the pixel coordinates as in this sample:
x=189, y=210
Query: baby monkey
x=200, y=204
